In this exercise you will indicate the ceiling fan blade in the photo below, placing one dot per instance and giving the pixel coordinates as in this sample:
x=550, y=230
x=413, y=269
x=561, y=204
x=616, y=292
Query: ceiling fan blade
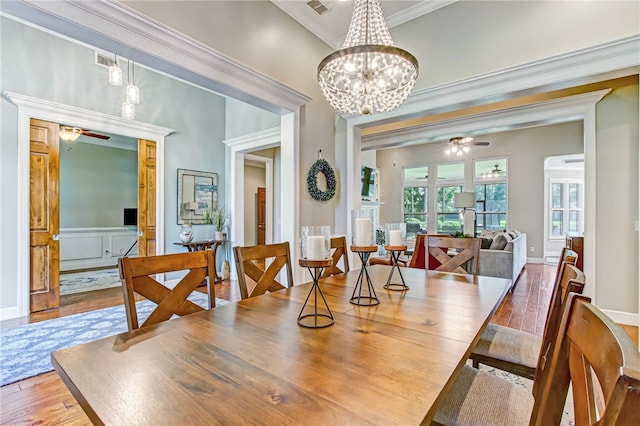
x=478, y=143
x=95, y=135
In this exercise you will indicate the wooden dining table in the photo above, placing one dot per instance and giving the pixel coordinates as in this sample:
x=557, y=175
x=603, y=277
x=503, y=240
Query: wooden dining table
x=249, y=362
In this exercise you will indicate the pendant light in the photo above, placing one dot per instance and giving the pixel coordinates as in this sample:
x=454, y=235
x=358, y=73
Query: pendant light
x=133, y=93
x=369, y=74
x=115, y=73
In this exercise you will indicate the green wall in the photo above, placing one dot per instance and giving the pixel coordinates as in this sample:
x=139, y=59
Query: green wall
x=96, y=184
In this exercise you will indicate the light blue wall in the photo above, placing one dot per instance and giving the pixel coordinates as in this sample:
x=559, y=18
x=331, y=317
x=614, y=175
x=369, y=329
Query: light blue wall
x=96, y=184
x=243, y=119
x=37, y=64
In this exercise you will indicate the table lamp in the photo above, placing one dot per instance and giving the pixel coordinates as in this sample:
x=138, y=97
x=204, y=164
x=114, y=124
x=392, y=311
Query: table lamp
x=466, y=201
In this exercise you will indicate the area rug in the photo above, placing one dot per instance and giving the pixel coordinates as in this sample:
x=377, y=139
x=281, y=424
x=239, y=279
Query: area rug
x=78, y=282
x=25, y=350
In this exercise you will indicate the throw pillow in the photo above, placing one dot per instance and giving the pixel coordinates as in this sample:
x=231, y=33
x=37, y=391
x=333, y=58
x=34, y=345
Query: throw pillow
x=486, y=242
x=500, y=241
x=488, y=234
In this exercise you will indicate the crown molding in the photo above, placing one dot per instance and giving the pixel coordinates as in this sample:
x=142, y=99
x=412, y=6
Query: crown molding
x=613, y=59
x=117, y=28
x=570, y=108
x=98, y=121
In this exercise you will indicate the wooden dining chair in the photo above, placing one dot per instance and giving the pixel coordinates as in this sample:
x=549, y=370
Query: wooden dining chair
x=259, y=266
x=418, y=257
x=517, y=351
x=138, y=276
x=339, y=247
x=591, y=352
x=460, y=253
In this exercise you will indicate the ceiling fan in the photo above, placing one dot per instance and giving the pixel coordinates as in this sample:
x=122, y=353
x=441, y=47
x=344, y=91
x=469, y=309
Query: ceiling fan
x=496, y=172
x=70, y=134
x=459, y=145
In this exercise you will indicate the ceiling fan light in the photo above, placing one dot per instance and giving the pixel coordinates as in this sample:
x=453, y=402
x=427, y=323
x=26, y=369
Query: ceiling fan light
x=133, y=94
x=454, y=148
x=69, y=134
x=465, y=149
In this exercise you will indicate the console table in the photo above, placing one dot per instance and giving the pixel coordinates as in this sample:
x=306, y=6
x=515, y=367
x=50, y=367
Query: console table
x=204, y=245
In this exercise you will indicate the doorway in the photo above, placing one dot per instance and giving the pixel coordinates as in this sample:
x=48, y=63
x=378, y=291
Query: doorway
x=29, y=107
x=563, y=202
x=98, y=210
x=258, y=193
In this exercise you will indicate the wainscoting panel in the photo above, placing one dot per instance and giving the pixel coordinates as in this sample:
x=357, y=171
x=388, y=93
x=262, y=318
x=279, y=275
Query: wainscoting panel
x=84, y=248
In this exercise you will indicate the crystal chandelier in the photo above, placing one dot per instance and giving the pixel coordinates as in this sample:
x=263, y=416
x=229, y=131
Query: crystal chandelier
x=369, y=74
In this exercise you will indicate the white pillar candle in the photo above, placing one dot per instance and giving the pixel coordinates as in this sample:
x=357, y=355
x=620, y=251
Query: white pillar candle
x=395, y=237
x=315, y=247
x=363, y=232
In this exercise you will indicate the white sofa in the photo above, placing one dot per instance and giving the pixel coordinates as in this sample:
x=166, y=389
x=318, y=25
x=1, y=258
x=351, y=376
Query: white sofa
x=507, y=262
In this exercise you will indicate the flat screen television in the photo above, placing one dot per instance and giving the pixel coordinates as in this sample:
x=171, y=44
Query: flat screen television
x=368, y=179
x=131, y=217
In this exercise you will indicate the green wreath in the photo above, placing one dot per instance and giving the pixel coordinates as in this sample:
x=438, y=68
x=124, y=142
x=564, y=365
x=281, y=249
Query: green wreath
x=321, y=166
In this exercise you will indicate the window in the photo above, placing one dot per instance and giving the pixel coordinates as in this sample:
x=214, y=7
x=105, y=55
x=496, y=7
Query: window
x=415, y=200
x=567, y=202
x=490, y=177
x=450, y=182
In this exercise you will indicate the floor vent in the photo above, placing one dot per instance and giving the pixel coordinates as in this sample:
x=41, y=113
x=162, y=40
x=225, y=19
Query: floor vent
x=317, y=6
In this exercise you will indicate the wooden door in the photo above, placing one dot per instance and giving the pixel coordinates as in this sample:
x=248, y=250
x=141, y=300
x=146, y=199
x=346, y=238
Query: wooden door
x=146, y=197
x=44, y=216
x=261, y=215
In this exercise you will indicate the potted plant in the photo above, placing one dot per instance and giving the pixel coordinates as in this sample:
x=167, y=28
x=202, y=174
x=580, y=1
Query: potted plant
x=218, y=218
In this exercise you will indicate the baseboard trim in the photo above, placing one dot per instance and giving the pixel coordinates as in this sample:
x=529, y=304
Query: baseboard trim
x=626, y=318
x=8, y=313
x=535, y=260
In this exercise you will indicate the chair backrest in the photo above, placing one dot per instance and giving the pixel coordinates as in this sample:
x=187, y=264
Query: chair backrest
x=567, y=255
x=252, y=264
x=420, y=254
x=571, y=279
x=466, y=253
x=602, y=364
x=138, y=277
x=339, y=247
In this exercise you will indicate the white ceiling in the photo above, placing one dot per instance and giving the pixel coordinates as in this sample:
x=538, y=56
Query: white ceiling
x=331, y=27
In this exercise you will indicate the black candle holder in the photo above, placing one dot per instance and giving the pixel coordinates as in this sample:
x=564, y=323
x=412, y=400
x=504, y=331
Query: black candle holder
x=395, y=252
x=315, y=319
x=369, y=298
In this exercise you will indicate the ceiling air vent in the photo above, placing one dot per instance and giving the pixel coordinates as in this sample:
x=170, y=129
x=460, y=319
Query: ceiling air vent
x=317, y=6
x=105, y=59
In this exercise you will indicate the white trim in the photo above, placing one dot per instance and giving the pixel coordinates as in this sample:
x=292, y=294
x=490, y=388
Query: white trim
x=114, y=27
x=570, y=108
x=268, y=174
x=626, y=318
x=29, y=107
x=287, y=137
x=535, y=260
x=616, y=58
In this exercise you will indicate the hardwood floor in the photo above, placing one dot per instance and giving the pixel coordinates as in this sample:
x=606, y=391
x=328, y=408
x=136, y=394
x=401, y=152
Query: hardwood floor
x=45, y=400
